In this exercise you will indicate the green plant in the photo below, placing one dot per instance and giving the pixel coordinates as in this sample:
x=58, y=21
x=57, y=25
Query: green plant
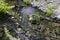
x=36, y=17
x=52, y=27
x=4, y=8
x=50, y=10
x=7, y=32
x=27, y=1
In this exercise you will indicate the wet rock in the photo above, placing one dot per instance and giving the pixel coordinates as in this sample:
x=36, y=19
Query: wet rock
x=44, y=4
x=57, y=13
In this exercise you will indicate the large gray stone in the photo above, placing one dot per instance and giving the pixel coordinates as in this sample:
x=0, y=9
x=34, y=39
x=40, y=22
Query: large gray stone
x=43, y=5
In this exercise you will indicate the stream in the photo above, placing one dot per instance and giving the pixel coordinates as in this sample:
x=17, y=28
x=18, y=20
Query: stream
x=30, y=28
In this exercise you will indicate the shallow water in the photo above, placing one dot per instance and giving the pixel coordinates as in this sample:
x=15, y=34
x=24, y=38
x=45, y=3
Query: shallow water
x=25, y=12
x=28, y=10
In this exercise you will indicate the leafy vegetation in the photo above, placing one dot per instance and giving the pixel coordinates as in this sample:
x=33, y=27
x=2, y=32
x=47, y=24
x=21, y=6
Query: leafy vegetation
x=36, y=17
x=4, y=8
x=27, y=1
x=50, y=10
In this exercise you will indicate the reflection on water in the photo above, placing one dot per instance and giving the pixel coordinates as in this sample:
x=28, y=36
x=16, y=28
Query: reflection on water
x=28, y=10
x=25, y=11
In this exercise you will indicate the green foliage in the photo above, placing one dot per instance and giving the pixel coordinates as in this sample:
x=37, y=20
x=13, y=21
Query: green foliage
x=7, y=32
x=50, y=10
x=8, y=35
x=52, y=27
x=27, y=1
x=36, y=17
x=4, y=8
